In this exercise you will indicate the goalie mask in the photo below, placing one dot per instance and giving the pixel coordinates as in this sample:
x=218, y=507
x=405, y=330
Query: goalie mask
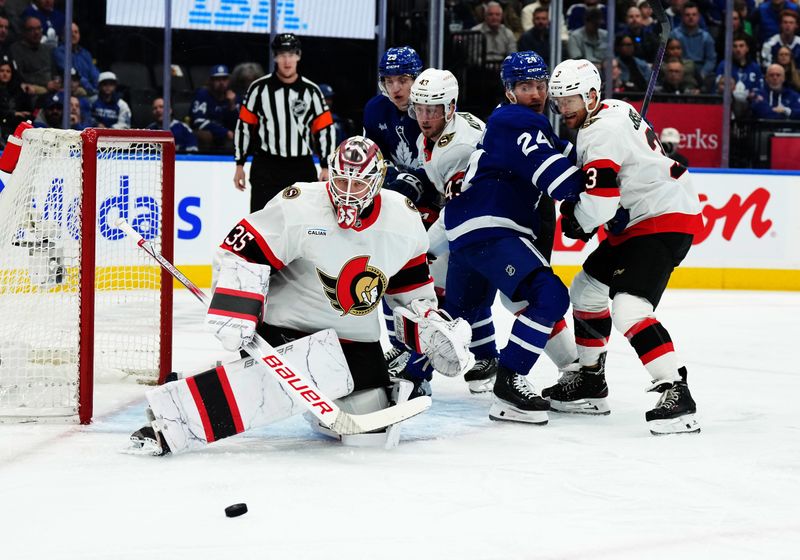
x=356, y=173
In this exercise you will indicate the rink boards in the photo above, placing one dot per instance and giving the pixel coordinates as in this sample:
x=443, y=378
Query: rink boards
x=750, y=239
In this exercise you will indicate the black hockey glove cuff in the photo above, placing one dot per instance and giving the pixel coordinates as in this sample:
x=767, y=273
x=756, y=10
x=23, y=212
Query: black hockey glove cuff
x=570, y=226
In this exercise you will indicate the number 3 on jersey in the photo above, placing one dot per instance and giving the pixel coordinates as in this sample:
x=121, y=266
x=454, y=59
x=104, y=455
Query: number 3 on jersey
x=526, y=138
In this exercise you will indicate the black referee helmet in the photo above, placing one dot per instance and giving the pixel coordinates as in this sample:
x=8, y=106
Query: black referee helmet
x=285, y=42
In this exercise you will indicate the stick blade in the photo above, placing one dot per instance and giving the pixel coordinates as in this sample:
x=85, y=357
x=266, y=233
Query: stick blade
x=349, y=424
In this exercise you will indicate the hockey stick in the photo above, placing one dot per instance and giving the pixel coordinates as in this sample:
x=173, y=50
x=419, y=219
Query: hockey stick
x=666, y=29
x=323, y=408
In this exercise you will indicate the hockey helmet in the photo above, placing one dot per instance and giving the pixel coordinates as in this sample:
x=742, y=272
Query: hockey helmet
x=356, y=171
x=434, y=87
x=574, y=77
x=285, y=42
x=522, y=66
x=398, y=61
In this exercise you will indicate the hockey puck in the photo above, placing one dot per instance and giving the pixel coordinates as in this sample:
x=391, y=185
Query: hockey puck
x=236, y=510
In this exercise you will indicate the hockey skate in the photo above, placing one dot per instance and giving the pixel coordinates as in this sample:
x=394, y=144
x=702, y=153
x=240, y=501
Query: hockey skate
x=422, y=387
x=147, y=440
x=580, y=390
x=396, y=359
x=674, y=411
x=515, y=400
x=481, y=377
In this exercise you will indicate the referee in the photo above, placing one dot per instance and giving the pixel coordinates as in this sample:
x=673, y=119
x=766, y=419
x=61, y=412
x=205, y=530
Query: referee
x=278, y=117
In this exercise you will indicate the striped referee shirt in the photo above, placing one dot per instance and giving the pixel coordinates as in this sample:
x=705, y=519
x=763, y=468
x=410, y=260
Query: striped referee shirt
x=285, y=116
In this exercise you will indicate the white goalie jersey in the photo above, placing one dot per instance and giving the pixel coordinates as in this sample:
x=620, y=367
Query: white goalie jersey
x=629, y=177
x=324, y=276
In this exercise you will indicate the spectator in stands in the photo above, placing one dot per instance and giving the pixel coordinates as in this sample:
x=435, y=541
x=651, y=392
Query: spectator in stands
x=109, y=109
x=647, y=14
x=52, y=20
x=5, y=36
x=34, y=59
x=697, y=43
x=785, y=38
x=214, y=112
x=82, y=62
x=674, y=12
x=744, y=69
x=343, y=128
x=670, y=141
x=645, y=43
x=634, y=72
x=537, y=38
x=244, y=74
x=589, y=42
x=674, y=79
x=185, y=139
x=576, y=14
x=691, y=75
x=776, y=101
x=80, y=113
x=49, y=116
x=500, y=40
x=767, y=17
x=740, y=21
x=15, y=105
x=786, y=60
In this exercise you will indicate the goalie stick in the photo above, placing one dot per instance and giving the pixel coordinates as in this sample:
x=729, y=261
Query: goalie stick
x=323, y=408
x=666, y=28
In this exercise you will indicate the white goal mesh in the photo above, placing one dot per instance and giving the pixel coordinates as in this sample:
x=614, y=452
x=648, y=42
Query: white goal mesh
x=51, y=313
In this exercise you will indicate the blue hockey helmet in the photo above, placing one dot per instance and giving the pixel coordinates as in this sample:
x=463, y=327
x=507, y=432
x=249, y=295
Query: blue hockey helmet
x=522, y=66
x=398, y=61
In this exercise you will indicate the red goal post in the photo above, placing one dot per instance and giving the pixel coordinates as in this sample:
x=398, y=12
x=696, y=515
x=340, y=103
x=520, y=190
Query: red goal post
x=84, y=304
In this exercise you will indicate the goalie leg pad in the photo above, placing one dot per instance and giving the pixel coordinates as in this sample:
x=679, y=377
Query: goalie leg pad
x=230, y=399
x=364, y=402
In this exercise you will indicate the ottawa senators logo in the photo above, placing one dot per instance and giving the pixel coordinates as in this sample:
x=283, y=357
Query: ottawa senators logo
x=357, y=289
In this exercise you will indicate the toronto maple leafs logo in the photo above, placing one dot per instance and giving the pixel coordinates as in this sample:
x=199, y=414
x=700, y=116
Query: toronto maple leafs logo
x=403, y=157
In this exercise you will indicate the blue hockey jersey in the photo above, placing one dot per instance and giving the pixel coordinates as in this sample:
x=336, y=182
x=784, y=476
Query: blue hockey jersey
x=217, y=117
x=519, y=160
x=394, y=131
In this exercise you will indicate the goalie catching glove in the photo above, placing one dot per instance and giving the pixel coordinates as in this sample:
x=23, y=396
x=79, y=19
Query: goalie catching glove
x=426, y=330
x=237, y=306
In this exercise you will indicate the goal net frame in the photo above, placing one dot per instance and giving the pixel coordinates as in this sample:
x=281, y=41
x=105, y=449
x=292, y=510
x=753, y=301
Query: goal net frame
x=92, y=140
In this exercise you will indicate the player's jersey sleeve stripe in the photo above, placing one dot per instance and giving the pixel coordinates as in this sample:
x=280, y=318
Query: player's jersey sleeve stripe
x=255, y=250
x=543, y=167
x=412, y=276
x=247, y=116
x=322, y=121
x=602, y=163
x=605, y=192
x=560, y=179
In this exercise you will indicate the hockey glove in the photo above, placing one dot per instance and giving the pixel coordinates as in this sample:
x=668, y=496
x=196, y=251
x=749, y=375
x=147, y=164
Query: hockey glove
x=237, y=306
x=408, y=185
x=570, y=225
x=430, y=331
x=619, y=222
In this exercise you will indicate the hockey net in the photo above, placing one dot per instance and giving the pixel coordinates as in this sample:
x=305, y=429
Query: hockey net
x=78, y=300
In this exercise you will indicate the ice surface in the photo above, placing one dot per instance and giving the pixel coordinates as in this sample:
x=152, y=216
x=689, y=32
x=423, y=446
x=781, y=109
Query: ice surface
x=458, y=486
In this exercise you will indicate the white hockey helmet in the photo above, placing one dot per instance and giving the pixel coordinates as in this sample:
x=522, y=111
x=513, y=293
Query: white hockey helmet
x=574, y=77
x=356, y=170
x=434, y=87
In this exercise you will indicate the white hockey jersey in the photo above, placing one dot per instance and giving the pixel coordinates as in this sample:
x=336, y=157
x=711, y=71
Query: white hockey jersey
x=326, y=276
x=626, y=170
x=443, y=161
x=449, y=155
